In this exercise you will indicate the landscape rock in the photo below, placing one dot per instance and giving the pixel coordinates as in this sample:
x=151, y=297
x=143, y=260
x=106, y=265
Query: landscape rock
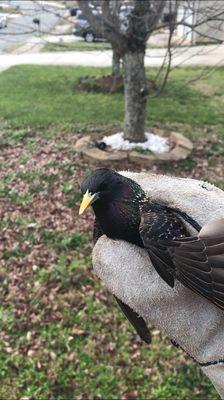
x=140, y=158
x=181, y=140
x=96, y=155
x=178, y=153
x=180, y=150
x=83, y=143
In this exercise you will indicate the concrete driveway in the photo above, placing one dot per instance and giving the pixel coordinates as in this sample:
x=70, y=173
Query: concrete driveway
x=22, y=28
x=210, y=55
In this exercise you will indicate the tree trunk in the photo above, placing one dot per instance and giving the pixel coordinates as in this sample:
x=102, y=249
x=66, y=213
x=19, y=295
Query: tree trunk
x=116, y=64
x=135, y=92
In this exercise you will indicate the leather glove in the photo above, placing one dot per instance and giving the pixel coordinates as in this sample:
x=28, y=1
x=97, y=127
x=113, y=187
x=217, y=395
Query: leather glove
x=191, y=321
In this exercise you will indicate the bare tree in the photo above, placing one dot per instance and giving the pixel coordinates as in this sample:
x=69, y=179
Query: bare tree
x=128, y=24
x=116, y=63
x=116, y=56
x=128, y=31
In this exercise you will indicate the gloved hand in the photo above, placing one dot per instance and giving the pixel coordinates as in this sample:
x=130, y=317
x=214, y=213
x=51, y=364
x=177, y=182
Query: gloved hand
x=190, y=320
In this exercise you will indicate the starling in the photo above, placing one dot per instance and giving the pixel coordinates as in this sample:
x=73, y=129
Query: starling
x=123, y=211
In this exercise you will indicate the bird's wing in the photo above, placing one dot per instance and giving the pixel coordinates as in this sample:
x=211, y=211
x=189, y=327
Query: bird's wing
x=159, y=224
x=198, y=262
x=136, y=321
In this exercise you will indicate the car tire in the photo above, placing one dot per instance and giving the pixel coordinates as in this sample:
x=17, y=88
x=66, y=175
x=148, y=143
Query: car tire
x=89, y=37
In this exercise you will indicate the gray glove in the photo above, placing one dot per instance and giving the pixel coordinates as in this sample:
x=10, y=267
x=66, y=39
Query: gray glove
x=190, y=320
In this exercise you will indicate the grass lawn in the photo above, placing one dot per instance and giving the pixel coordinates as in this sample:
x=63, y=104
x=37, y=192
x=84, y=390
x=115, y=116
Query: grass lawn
x=55, y=101
x=83, y=46
x=76, y=46
x=62, y=336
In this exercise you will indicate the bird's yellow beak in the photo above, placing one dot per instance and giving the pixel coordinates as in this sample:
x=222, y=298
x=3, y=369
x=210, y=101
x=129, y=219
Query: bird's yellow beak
x=87, y=200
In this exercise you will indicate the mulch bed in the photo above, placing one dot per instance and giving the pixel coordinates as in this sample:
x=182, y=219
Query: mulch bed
x=106, y=84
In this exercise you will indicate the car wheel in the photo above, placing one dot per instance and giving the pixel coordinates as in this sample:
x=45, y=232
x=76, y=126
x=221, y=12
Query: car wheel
x=89, y=37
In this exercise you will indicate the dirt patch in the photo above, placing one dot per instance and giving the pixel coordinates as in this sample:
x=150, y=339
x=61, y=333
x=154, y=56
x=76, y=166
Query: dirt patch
x=204, y=88
x=106, y=84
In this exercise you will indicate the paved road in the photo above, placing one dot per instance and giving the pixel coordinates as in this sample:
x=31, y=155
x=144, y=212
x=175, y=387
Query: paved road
x=14, y=33
x=212, y=55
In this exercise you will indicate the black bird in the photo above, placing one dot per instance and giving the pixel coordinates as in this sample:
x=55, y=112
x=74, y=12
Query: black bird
x=124, y=212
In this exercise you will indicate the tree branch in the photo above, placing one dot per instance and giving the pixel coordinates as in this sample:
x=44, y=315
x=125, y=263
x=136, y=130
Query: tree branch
x=101, y=23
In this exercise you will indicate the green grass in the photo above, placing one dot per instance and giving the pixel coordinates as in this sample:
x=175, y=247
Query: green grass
x=76, y=46
x=62, y=336
x=56, y=102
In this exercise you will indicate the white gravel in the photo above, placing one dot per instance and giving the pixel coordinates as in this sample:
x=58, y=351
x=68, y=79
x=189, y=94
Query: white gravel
x=155, y=143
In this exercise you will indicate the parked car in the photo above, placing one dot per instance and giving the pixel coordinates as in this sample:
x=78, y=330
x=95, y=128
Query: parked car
x=83, y=29
x=3, y=21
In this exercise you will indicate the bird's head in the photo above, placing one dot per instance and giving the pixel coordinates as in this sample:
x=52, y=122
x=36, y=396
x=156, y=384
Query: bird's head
x=102, y=185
